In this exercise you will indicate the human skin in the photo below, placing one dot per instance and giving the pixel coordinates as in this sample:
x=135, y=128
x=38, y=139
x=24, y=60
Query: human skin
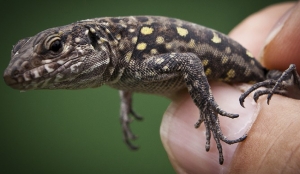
x=273, y=142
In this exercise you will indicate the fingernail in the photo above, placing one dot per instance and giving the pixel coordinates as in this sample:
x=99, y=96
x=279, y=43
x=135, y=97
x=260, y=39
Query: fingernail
x=278, y=26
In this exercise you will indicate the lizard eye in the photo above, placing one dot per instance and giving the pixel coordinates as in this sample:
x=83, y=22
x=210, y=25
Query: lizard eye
x=56, y=46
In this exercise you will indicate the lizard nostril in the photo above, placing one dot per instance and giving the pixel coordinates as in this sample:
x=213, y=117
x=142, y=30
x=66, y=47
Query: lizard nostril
x=10, y=77
x=14, y=73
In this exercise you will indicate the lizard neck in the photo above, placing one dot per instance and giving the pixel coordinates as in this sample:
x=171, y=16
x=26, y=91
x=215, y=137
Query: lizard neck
x=120, y=35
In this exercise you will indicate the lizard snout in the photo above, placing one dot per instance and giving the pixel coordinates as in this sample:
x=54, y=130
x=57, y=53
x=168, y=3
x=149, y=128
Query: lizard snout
x=12, y=77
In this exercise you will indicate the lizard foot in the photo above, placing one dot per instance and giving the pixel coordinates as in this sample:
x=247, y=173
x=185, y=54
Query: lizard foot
x=128, y=136
x=212, y=124
x=126, y=111
x=273, y=86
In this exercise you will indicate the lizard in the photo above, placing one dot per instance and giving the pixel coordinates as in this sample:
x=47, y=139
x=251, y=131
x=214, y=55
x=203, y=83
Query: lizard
x=148, y=54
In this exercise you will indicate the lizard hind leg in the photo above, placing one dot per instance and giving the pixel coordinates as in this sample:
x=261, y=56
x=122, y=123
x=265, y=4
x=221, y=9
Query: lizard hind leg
x=126, y=111
x=288, y=78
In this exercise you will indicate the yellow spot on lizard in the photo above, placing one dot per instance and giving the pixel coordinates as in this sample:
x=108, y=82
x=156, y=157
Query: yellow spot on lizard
x=118, y=37
x=141, y=46
x=191, y=44
x=160, y=40
x=216, y=38
x=134, y=39
x=249, y=54
x=128, y=56
x=153, y=51
x=228, y=50
x=231, y=73
x=224, y=59
x=168, y=45
x=204, y=62
x=208, y=71
x=146, y=30
x=182, y=31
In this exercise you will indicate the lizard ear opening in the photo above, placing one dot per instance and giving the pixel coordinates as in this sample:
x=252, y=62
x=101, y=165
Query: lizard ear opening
x=93, y=37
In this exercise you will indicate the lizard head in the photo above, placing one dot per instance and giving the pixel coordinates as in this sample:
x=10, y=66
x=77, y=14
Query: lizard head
x=67, y=57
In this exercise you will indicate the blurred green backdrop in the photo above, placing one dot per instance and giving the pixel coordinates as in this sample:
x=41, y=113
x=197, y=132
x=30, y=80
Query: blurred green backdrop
x=78, y=131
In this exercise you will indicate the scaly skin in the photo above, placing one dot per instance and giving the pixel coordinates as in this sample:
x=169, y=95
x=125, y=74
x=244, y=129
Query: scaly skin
x=150, y=54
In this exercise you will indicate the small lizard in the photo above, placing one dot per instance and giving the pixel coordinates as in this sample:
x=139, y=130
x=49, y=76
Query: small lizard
x=149, y=54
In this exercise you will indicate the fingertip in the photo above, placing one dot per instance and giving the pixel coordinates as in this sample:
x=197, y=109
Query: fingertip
x=272, y=144
x=282, y=45
x=181, y=140
x=186, y=146
x=254, y=30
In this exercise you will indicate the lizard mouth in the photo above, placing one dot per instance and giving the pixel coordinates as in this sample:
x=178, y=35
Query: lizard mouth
x=10, y=81
x=28, y=79
x=22, y=81
x=41, y=77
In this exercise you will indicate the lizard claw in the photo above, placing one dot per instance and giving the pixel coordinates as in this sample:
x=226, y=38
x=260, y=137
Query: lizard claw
x=128, y=136
x=242, y=100
x=130, y=145
x=269, y=97
x=135, y=115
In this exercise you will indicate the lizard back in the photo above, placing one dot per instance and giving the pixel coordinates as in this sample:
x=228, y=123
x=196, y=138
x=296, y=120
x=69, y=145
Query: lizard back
x=112, y=51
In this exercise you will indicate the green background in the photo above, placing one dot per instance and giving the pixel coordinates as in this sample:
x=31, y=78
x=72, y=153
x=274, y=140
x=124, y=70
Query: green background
x=78, y=131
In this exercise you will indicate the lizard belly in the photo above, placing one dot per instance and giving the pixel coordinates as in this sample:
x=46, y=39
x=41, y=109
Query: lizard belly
x=165, y=87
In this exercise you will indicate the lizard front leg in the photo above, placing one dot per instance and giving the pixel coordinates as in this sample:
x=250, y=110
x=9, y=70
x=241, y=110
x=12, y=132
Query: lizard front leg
x=189, y=67
x=125, y=112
